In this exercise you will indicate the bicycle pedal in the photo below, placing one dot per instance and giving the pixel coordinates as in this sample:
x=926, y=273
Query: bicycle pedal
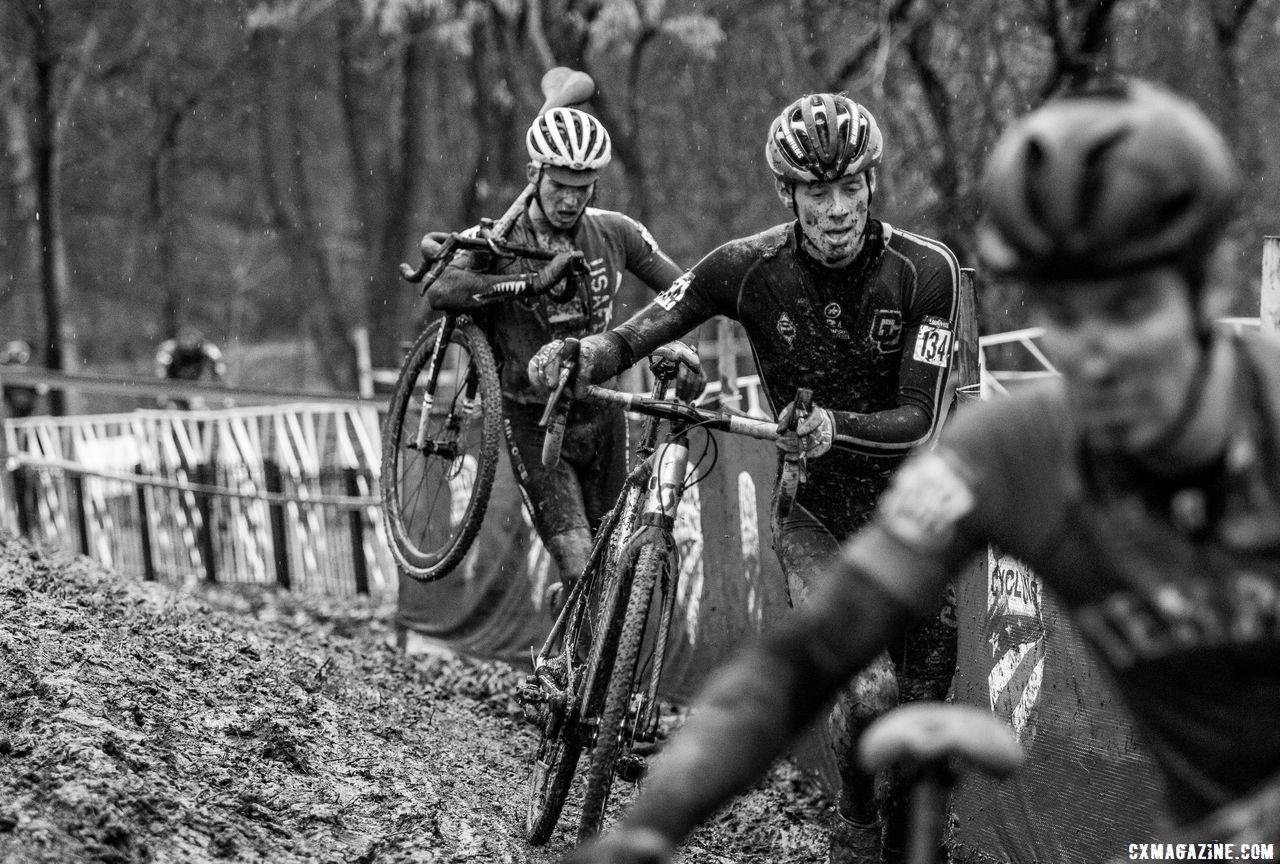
x=631, y=768
x=530, y=693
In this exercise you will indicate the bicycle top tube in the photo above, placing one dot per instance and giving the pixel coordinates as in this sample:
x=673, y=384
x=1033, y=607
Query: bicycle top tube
x=667, y=409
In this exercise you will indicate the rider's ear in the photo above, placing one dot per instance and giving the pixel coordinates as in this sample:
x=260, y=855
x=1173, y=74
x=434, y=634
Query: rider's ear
x=786, y=192
x=531, y=172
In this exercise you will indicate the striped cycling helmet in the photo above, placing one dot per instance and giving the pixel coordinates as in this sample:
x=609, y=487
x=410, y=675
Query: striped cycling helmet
x=822, y=137
x=568, y=138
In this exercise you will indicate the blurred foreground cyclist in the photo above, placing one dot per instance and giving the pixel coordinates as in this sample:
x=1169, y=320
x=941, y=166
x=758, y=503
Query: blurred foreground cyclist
x=1143, y=486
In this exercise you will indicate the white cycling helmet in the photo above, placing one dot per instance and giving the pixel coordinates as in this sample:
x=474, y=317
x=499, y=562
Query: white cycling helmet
x=570, y=145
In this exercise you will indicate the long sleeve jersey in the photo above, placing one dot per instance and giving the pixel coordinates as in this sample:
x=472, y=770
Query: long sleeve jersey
x=873, y=340
x=612, y=244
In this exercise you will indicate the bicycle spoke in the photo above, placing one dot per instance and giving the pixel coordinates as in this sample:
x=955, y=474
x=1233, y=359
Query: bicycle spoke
x=440, y=452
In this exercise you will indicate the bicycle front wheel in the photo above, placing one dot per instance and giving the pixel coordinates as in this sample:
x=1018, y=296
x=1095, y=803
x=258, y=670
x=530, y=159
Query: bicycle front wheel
x=612, y=731
x=440, y=449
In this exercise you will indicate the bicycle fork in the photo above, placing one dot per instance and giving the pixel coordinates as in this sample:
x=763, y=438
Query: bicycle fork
x=447, y=445
x=662, y=502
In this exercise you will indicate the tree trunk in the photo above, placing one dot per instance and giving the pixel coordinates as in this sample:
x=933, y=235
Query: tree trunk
x=21, y=244
x=294, y=220
x=55, y=280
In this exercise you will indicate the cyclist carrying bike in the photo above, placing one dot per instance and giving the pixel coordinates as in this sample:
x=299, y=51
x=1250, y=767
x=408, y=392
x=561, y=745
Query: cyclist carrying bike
x=863, y=313
x=567, y=150
x=1143, y=486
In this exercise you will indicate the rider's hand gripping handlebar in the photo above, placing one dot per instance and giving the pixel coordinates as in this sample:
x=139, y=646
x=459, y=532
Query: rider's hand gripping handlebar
x=556, y=416
x=794, y=465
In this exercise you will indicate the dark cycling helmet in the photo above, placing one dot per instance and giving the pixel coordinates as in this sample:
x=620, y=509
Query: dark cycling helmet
x=570, y=139
x=1104, y=183
x=822, y=137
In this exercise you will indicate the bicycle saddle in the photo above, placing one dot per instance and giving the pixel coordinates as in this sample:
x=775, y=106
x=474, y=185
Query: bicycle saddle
x=673, y=353
x=924, y=733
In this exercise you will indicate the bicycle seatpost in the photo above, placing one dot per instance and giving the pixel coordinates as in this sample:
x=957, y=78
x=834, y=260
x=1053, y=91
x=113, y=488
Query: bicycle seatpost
x=924, y=740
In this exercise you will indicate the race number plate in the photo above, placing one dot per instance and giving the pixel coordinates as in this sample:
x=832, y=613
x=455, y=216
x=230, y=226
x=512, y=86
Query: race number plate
x=933, y=342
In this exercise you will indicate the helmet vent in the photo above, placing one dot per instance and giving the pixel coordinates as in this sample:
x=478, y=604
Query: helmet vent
x=1094, y=173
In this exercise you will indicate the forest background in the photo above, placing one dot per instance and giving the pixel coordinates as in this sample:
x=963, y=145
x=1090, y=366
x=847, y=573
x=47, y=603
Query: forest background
x=258, y=169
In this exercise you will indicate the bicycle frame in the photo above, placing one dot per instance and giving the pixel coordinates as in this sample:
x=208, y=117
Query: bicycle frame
x=609, y=701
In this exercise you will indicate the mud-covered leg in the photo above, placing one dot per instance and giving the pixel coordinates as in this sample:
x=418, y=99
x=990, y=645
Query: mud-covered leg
x=805, y=550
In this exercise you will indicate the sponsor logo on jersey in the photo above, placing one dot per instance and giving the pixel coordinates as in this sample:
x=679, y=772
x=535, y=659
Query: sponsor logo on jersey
x=933, y=342
x=1222, y=611
x=924, y=503
x=832, y=311
x=673, y=295
x=886, y=330
x=786, y=328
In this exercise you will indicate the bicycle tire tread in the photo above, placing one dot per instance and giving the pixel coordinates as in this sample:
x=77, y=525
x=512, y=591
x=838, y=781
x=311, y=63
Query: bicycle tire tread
x=599, y=777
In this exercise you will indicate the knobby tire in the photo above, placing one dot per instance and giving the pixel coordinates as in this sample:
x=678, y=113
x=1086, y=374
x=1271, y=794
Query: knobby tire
x=428, y=565
x=617, y=700
x=552, y=774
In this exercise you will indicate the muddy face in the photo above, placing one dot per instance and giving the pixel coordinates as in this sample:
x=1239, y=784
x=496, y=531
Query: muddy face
x=562, y=204
x=833, y=216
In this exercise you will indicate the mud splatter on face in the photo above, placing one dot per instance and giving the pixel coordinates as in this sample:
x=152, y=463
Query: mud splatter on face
x=833, y=218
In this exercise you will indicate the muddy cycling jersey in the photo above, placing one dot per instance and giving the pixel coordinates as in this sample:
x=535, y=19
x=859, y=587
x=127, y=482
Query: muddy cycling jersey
x=1174, y=583
x=612, y=244
x=872, y=340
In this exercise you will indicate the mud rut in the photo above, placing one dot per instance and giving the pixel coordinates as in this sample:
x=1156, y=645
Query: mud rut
x=142, y=723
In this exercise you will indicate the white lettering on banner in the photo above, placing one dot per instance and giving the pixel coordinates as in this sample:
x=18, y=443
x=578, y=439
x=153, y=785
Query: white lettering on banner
x=460, y=484
x=925, y=501
x=1016, y=634
x=537, y=560
x=933, y=342
x=673, y=295
x=749, y=531
x=687, y=532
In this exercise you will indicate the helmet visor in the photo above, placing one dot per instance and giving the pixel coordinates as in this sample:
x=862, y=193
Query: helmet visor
x=569, y=177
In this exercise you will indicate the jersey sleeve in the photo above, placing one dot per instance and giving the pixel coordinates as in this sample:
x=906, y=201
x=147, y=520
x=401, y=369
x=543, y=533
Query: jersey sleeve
x=929, y=331
x=691, y=299
x=645, y=258
x=924, y=529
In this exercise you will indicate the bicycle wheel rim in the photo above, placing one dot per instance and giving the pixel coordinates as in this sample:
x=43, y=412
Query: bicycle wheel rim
x=437, y=475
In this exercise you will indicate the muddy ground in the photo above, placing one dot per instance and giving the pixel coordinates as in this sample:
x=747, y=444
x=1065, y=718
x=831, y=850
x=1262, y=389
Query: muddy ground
x=143, y=723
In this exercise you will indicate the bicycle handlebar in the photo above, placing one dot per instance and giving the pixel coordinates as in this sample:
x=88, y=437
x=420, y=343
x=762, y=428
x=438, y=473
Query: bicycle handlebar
x=431, y=268
x=666, y=409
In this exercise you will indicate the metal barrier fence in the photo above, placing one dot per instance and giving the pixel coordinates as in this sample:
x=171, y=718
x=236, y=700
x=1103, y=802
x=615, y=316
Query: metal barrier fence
x=282, y=494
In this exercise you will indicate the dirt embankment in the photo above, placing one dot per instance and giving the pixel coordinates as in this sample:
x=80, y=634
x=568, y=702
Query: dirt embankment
x=139, y=723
